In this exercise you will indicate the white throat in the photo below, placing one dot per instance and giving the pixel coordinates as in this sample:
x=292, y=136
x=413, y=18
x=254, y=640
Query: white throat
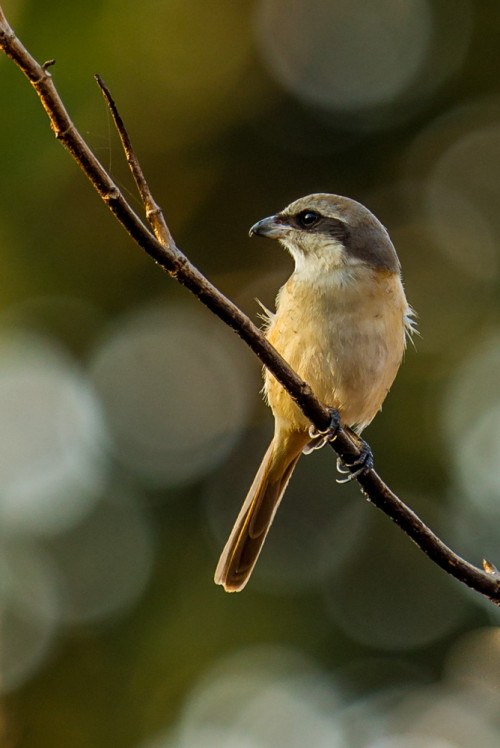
x=325, y=262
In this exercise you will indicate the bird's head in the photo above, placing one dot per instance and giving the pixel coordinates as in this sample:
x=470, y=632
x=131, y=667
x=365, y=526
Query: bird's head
x=332, y=232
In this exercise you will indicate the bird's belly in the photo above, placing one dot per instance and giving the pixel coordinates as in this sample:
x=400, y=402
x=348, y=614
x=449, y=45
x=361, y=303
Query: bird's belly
x=349, y=357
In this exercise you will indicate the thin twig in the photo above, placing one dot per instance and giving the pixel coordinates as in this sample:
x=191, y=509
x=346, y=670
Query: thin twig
x=154, y=213
x=163, y=249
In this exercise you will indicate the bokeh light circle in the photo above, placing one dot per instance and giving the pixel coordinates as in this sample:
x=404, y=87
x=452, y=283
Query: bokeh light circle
x=462, y=201
x=30, y=607
x=262, y=697
x=174, y=390
x=369, y=64
x=474, y=663
x=345, y=55
x=105, y=562
x=392, y=606
x=471, y=424
x=51, y=466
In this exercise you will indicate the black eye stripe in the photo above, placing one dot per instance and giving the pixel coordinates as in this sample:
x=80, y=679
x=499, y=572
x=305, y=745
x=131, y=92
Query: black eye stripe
x=313, y=222
x=306, y=220
x=336, y=228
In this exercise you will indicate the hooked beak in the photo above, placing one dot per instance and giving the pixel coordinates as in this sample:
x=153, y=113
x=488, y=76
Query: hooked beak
x=273, y=227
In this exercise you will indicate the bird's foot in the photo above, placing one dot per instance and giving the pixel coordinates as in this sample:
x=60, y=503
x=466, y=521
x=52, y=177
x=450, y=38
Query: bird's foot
x=320, y=438
x=361, y=465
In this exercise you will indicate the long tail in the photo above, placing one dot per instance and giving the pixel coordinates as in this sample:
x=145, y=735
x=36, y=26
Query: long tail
x=257, y=513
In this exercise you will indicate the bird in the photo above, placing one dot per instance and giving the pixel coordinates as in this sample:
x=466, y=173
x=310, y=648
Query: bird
x=342, y=322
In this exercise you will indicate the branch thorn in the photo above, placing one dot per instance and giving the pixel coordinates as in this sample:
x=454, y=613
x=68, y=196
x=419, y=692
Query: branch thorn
x=491, y=569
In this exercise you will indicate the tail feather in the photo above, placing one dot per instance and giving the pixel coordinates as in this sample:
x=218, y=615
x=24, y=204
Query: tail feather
x=257, y=513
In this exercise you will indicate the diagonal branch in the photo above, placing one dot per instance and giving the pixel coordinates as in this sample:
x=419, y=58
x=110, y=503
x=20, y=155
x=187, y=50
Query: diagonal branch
x=162, y=248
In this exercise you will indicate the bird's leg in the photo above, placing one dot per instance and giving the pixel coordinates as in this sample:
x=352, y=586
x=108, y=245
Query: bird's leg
x=320, y=438
x=361, y=465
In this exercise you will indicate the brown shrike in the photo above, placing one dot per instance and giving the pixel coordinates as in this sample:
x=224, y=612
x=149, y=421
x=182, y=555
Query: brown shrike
x=341, y=322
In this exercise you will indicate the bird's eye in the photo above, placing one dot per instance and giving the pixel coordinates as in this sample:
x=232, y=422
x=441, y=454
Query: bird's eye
x=308, y=218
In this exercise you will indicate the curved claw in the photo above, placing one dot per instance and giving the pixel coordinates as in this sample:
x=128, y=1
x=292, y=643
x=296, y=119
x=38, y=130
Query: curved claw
x=317, y=443
x=341, y=467
x=320, y=438
x=363, y=464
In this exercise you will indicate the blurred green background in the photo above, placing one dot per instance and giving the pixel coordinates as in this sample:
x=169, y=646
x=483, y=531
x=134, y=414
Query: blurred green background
x=130, y=419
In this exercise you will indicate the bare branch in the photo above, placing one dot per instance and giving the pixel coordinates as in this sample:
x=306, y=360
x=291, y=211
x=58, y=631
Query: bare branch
x=165, y=252
x=154, y=213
